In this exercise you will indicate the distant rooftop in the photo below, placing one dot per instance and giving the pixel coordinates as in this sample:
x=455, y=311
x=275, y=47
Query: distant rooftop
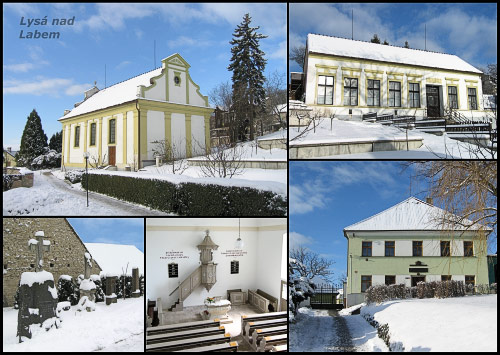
x=366, y=50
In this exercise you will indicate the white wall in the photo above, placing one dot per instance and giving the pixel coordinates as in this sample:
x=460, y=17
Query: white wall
x=179, y=134
x=158, y=92
x=378, y=248
x=176, y=94
x=76, y=154
x=403, y=279
x=119, y=138
x=260, y=265
x=130, y=137
x=457, y=247
x=431, y=248
x=197, y=135
x=155, y=129
x=404, y=248
x=194, y=97
x=378, y=280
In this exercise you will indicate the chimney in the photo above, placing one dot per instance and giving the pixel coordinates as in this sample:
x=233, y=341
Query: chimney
x=66, y=112
x=428, y=200
x=90, y=91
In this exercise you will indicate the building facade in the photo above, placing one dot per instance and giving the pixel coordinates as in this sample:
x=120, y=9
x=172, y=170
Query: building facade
x=406, y=244
x=350, y=78
x=66, y=255
x=118, y=125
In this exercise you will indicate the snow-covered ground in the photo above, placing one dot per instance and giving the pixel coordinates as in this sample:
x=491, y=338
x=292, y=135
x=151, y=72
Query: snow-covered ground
x=51, y=196
x=452, y=324
x=119, y=327
x=434, y=147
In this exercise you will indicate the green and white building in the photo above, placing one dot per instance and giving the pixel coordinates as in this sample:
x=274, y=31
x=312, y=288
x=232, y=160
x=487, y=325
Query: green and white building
x=406, y=244
x=351, y=78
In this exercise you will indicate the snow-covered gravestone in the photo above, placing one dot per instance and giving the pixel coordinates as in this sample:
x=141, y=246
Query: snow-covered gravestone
x=111, y=289
x=135, y=283
x=87, y=288
x=37, y=294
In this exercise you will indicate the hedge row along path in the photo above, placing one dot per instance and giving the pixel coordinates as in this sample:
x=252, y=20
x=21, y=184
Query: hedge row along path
x=52, y=196
x=121, y=207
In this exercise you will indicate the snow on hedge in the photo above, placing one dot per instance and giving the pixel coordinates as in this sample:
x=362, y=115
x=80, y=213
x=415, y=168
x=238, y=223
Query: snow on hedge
x=87, y=285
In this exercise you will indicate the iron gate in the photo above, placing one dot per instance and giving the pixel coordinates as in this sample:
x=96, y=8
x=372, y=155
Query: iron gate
x=327, y=296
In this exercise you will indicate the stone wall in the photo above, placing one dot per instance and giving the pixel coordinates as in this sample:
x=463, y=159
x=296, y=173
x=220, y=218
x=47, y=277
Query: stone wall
x=66, y=255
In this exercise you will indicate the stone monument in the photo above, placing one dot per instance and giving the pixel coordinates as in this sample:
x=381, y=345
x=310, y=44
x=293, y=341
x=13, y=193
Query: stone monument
x=110, y=290
x=136, y=292
x=37, y=294
x=87, y=287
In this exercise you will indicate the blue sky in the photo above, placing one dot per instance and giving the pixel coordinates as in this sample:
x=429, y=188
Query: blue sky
x=326, y=197
x=126, y=231
x=52, y=74
x=467, y=30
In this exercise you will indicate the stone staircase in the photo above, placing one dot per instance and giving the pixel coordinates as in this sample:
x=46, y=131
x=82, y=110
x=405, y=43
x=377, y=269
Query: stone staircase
x=185, y=289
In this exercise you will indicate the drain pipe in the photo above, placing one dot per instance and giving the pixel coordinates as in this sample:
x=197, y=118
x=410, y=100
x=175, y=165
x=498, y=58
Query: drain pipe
x=139, y=135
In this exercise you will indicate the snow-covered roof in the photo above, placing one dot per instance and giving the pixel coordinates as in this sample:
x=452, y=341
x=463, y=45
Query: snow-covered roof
x=411, y=214
x=113, y=257
x=122, y=92
x=386, y=53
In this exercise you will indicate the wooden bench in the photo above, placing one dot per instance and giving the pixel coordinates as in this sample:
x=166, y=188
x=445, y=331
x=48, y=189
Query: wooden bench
x=226, y=347
x=279, y=348
x=182, y=326
x=268, y=323
x=273, y=341
x=262, y=316
x=184, y=334
x=189, y=343
x=262, y=300
x=259, y=334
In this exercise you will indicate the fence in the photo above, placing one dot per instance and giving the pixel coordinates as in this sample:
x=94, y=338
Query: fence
x=327, y=296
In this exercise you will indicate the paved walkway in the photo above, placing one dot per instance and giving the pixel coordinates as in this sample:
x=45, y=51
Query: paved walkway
x=325, y=331
x=120, y=207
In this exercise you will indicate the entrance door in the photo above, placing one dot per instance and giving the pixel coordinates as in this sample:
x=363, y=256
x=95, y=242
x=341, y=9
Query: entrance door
x=416, y=279
x=433, y=108
x=112, y=155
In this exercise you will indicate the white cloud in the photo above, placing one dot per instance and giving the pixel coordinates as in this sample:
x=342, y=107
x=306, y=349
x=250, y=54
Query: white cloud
x=44, y=86
x=297, y=239
x=18, y=68
x=306, y=198
x=22, y=9
x=123, y=64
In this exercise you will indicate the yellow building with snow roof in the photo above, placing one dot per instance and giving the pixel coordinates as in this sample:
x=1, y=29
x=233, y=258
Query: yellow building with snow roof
x=118, y=125
x=351, y=78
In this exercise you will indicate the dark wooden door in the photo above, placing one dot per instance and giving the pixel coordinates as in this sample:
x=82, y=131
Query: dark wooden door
x=416, y=279
x=112, y=155
x=433, y=108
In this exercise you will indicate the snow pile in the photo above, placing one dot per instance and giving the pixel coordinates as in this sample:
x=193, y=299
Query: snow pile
x=46, y=242
x=65, y=305
x=53, y=292
x=66, y=277
x=453, y=324
x=40, y=234
x=113, y=257
x=94, y=277
x=85, y=304
x=32, y=241
x=29, y=278
x=33, y=310
x=349, y=310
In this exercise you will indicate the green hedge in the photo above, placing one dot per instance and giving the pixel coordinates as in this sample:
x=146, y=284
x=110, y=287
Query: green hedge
x=189, y=199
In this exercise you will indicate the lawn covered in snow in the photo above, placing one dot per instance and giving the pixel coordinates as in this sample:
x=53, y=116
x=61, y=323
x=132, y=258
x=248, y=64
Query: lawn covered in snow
x=453, y=324
x=119, y=327
x=434, y=147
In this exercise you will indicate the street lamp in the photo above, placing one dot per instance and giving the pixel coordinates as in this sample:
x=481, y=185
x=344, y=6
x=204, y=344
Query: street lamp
x=86, y=156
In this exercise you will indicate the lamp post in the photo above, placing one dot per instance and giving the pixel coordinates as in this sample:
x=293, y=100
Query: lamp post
x=86, y=156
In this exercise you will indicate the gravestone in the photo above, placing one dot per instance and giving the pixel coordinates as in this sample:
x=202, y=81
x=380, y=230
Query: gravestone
x=136, y=292
x=37, y=294
x=87, y=287
x=110, y=290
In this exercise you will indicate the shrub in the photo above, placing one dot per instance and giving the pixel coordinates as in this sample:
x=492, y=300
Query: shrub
x=99, y=292
x=50, y=159
x=67, y=290
x=493, y=288
x=190, y=199
x=7, y=182
x=74, y=176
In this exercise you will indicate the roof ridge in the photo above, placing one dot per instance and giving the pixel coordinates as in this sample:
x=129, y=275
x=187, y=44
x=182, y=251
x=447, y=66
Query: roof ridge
x=391, y=45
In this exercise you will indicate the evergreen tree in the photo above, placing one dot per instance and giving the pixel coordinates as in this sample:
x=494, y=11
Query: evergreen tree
x=385, y=42
x=55, y=142
x=66, y=291
x=375, y=39
x=33, y=140
x=407, y=45
x=247, y=65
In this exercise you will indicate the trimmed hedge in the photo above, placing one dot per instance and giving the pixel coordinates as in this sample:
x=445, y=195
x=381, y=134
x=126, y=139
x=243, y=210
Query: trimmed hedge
x=189, y=199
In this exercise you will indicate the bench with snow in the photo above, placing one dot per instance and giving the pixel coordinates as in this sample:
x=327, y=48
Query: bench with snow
x=273, y=341
x=184, y=334
x=224, y=347
x=189, y=343
x=369, y=117
x=258, y=317
x=259, y=334
x=182, y=326
x=385, y=118
x=279, y=348
x=268, y=323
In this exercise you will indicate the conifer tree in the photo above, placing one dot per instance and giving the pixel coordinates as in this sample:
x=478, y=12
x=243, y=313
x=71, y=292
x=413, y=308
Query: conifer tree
x=247, y=64
x=407, y=45
x=55, y=142
x=375, y=39
x=33, y=140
